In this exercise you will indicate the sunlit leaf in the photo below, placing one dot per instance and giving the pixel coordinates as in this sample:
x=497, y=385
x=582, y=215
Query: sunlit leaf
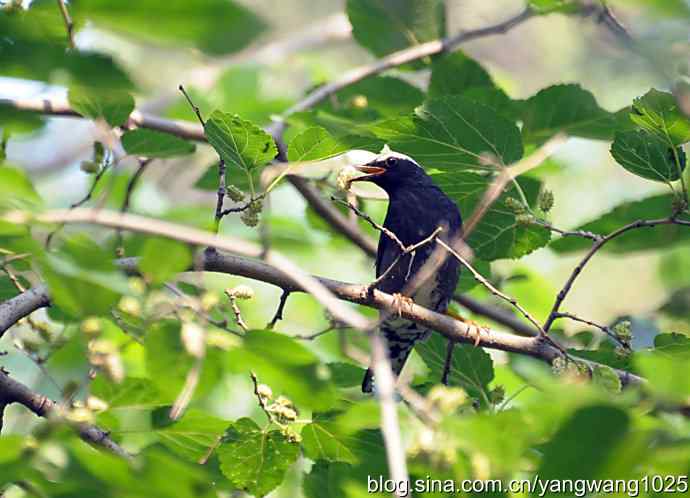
x=151, y=143
x=384, y=26
x=164, y=258
x=255, y=460
x=499, y=234
x=568, y=109
x=239, y=142
x=214, y=26
x=113, y=106
x=658, y=114
x=192, y=436
x=453, y=133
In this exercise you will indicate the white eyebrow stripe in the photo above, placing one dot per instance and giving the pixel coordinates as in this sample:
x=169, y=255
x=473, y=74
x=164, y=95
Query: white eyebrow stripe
x=385, y=155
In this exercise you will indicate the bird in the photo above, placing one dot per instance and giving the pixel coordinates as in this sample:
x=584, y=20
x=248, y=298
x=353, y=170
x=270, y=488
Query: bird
x=416, y=208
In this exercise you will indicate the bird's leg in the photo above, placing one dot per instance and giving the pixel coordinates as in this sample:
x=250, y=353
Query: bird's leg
x=473, y=327
x=400, y=300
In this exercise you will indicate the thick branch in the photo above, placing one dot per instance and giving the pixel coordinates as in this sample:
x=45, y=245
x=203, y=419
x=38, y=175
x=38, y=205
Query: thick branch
x=12, y=391
x=449, y=327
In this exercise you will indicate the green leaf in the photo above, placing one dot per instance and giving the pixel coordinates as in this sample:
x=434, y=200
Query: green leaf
x=151, y=143
x=607, y=378
x=133, y=393
x=7, y=288
x=239, y=142
x=295, y=372
x=672, y=344
x=657, y=206
x=16, y=190
x=543, y=7
x=162, y=259
x=584, y=444
x=323, y=440
x=82, y=268
x=168, y=363
x=453, y=133
x=373, y=98
x=569, y=109
x=499, y=234
x=645, y=155
x=668, y=374
x=471, y=368
x=113, y=106
x=467, y=282
x=191, y=436
x=314, y=144
x=658, y=114
x=255, y=460
x=346, y=374
x=455, y=73
x=16, y=121
x=384, y=26
x=214, y=26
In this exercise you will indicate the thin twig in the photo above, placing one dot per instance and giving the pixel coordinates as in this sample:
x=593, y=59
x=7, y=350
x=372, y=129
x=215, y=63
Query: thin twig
x=193, y=106
x=131, y=185
x=447, y=363
x=560, y=297
x=369, y=220
x=279, y=312
x=568, y=233
x=220, y=196
x=69, y=25
x=605, y=329
x=236, y=310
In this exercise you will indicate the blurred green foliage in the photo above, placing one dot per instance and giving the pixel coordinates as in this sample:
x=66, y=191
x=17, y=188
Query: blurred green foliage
x=161, y=361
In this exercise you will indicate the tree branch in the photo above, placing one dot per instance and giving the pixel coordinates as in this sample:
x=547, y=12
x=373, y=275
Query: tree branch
x=452, y=329
x=69, y=25
x=598, y=244
x=12, y=391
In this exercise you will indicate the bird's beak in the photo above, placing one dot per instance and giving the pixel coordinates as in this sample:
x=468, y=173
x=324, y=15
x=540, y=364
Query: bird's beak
x=371, y=172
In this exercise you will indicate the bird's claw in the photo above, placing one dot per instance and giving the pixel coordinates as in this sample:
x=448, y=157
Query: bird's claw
x=400, y=300
x=473, y=328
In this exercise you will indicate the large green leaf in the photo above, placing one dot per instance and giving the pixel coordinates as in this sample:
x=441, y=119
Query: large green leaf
x=16, y=190
x=384, y=26
x=33, y=46
x=584, y=444
x=191, y=436
x=569, y=109
x=287, y=366
x=472, y=368
x=658, y=114
x=82, y=268
x=453, y=133
x=373, y=98
x=113, y=106
x=324, y=440
x=151, y=143
x=667, y=367
x=255, y=460
x=168, y=363
x=133, y=393
x=455, y=73
x=238, y=141
x=645, y=155
x=214, y=26
x=314, y=144
x=664, y=236
x=164, y=258
x=499, y=234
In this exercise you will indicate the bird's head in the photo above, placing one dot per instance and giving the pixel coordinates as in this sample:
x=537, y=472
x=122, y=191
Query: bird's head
x=392, y=171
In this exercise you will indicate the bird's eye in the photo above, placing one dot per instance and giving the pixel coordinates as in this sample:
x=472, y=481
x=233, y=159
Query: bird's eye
x=391, y=161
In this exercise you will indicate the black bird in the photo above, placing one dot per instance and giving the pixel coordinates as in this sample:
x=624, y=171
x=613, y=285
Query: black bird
x=416, y=208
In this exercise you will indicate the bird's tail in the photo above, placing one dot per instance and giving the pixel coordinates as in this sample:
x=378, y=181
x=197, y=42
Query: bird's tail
x=397, y=364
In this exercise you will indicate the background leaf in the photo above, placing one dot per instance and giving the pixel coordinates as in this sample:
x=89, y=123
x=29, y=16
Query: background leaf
x=255, y=460
x=151, y=143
